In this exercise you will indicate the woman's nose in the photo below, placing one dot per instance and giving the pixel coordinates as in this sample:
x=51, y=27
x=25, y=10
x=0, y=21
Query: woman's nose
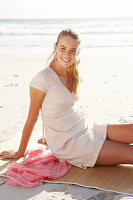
x=68, y=53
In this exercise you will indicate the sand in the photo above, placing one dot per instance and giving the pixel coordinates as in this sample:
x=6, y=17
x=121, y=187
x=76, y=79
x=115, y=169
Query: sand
x=106, y=97
x=57, y=191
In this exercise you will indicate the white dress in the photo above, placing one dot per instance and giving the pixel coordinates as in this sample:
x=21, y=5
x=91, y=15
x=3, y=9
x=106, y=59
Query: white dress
x=69, y=136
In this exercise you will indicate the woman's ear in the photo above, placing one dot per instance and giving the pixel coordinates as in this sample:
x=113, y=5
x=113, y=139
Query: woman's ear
x=78, y=51
x=55, y=47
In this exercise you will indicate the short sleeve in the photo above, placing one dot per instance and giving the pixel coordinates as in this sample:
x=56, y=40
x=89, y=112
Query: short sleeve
x=39, y=82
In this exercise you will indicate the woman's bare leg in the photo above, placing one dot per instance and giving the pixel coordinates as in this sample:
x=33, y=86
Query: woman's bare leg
x=120, y=133
x=116, y=148
x=113, y=153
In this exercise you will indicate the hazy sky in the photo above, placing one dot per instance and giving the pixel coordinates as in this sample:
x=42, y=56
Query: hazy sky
x=65, y=9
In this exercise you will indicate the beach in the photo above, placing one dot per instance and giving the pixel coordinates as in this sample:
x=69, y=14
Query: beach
x=16, y=74
x=105, y=96
x=105, y=91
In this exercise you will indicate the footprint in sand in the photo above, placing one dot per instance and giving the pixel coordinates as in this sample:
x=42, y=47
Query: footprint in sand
x=114, y=75
x=11, y=85
x=15, y=75
x=122, y=120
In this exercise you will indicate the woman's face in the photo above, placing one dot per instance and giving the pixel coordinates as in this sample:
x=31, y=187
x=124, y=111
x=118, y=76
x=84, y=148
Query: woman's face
x=66, y=50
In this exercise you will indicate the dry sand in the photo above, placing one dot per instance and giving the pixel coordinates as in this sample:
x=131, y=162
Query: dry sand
x=106, y=97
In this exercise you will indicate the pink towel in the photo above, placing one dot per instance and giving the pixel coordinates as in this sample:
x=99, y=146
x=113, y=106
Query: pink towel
x=35, y=168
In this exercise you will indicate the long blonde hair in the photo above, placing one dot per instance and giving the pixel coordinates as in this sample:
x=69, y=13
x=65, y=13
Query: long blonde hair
x=73, y=69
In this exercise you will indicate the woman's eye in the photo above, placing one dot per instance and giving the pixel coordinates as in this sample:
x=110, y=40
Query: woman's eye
x=72, y=51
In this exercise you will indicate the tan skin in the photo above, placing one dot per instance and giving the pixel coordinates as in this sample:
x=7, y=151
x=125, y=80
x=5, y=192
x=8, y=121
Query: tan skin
x=116, y=148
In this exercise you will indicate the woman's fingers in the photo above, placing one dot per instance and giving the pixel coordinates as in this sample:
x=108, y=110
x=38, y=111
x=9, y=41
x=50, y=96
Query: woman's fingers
x=3, y=153
x=9, y=155
x=6, y=152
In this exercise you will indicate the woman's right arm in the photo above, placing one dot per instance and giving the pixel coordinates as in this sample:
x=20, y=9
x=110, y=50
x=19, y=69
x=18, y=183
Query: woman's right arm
x=36, y=99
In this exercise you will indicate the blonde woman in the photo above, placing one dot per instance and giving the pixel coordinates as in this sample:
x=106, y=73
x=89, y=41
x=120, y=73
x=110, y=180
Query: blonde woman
x=69, y=136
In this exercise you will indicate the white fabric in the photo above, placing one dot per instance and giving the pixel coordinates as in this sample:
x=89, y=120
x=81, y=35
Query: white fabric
x=69, y=136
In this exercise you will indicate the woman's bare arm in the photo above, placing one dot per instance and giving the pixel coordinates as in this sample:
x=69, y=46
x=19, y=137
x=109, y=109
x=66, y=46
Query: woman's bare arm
x=36, y=98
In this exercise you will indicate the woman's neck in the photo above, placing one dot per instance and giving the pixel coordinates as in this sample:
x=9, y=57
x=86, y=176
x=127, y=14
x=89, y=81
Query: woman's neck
x=60, y=71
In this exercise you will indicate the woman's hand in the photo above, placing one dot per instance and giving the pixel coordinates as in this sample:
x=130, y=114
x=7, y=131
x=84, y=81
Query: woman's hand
x=10, y=155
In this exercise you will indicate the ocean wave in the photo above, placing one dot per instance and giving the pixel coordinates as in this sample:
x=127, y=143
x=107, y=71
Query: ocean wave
x=46, y=27
x=3, y=33
x=107, y=45
x=25, y=34
x=129, y=44
x=22, y=35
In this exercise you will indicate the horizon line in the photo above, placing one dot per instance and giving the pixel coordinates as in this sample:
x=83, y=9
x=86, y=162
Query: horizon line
x=67, y=18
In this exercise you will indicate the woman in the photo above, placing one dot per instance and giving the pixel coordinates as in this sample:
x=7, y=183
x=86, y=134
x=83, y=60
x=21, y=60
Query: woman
x=68, y=134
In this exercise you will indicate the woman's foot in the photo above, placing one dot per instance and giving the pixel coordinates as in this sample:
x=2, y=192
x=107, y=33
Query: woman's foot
x=42, y=142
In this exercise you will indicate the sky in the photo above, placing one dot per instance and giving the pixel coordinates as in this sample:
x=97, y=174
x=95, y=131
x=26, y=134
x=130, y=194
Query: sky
x=65, y=9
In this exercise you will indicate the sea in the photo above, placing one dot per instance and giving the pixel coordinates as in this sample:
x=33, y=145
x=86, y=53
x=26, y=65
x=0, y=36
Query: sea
x=36, y=37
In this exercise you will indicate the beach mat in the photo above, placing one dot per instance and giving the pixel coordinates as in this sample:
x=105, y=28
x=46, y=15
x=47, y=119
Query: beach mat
x=118, y=178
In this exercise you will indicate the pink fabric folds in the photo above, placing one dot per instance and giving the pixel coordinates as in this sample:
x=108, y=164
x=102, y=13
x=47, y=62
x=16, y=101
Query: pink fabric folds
x=35, y=168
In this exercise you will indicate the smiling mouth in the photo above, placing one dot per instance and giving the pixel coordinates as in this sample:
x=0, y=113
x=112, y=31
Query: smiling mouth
x=65, y=60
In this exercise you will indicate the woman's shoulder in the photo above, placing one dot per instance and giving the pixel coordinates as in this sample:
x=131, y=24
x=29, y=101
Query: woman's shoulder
x=40, y=80
x=43, y=72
